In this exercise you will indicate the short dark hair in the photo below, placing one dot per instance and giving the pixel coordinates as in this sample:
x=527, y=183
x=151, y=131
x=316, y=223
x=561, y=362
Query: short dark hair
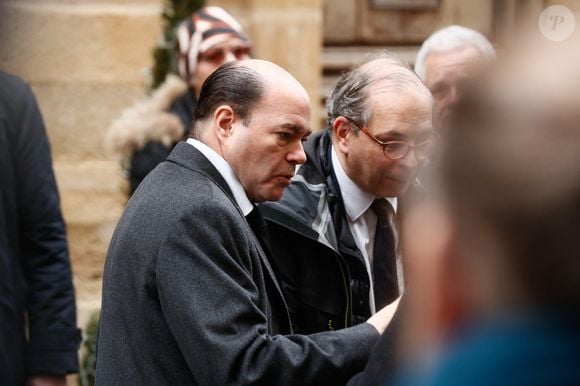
x=231, y=84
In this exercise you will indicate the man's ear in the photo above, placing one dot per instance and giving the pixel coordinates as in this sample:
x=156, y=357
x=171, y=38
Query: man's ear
x=342, y=130
x=223, y=120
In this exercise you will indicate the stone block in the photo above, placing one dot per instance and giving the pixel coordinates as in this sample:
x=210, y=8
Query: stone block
x=77, y=114
x=297, y=46
x=78, y=42
x=340, y=25
x=406, y=27
x=91, y=192
x=93, y=196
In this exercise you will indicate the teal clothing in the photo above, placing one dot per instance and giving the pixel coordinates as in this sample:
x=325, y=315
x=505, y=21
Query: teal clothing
x=515, y=351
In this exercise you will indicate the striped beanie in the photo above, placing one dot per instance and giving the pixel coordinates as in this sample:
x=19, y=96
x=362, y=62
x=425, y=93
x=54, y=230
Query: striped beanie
x=200, y=31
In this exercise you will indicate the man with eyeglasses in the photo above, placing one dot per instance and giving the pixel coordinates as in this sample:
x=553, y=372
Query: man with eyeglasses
x=333, y=233
x=189, y=295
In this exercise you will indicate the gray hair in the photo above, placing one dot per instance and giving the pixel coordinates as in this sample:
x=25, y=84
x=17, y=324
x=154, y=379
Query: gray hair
x=350, y=95
x=450, y=38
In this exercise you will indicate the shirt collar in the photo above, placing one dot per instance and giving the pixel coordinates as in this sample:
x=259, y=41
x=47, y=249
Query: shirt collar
x=227, y=173
x=356, y=201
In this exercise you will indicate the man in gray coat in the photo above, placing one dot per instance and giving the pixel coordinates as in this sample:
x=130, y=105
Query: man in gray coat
x=189, y=296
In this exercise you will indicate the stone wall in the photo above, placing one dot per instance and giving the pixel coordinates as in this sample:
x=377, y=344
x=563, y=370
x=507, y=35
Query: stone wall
x=288, y=33
x=85, y=60
x=88, y=59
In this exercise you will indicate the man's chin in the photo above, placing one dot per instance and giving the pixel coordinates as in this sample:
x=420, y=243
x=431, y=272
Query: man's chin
x=396, y=188
x=275, y=195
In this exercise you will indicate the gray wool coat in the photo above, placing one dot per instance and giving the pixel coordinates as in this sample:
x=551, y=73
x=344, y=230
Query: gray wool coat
x=190, y=298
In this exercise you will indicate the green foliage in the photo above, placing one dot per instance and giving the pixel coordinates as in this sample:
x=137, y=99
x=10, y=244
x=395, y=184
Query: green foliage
x=89, y=352
x=173, y=12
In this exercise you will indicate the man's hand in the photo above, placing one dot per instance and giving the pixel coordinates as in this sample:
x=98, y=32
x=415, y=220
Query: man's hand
x=46, y=380
x=383, y=317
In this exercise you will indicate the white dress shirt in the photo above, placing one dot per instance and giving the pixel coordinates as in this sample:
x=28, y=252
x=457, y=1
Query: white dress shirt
x=227, y=173
x=360, y=217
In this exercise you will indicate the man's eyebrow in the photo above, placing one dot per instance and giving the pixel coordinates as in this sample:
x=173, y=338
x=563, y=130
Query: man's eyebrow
x=296, y=128
x=395, y=135
x=391, y=135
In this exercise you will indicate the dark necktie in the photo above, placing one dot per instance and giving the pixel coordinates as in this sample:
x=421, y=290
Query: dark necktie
x=260, y=228
x=386, y=287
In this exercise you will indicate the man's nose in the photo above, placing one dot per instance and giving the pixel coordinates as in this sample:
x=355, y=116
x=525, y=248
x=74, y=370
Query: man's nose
x=297, y=156
x=410, y=161
x=453, y=96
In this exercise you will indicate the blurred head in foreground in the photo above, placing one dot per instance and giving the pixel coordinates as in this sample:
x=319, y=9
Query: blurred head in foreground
x=495, y=257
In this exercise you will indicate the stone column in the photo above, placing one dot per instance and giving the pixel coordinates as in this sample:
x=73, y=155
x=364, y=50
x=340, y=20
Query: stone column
x=288, y=33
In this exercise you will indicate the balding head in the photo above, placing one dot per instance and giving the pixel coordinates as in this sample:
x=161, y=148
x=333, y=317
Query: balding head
x=388, y=103
x=241, y=85
x=274, y=76
x=255, y=115
x=380, y=71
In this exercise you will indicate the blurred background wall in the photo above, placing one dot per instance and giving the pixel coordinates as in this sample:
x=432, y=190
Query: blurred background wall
x=87, y=60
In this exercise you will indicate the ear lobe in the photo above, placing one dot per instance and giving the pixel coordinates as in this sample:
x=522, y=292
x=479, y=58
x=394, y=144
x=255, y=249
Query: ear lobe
x=342, y=130
x=223, y=119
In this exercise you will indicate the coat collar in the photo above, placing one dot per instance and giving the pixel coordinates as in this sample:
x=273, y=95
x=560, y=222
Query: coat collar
x=191, y=158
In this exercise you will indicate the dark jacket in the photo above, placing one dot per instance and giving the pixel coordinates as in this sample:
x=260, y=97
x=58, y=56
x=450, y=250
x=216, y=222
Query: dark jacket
x=145, y=159
x=35, y=273
x=144, y=134
x=190, y=298
x=322, y=272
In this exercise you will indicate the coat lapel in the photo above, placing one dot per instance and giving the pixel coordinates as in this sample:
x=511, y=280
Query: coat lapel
x=189, y=157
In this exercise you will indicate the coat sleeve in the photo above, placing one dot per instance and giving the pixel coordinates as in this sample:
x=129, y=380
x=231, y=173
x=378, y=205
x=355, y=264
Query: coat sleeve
x=50, y=304
x=210, y=295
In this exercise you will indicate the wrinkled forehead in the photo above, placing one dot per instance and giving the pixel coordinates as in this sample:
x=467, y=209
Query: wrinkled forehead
x=401, y=94
x=465, y=57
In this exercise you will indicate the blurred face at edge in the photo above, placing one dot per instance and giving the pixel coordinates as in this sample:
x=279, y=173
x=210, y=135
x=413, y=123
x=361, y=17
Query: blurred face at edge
x=445, y=73
x=230, y=49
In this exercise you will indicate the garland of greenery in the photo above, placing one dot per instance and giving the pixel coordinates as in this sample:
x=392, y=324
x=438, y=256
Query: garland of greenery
x=173, y=12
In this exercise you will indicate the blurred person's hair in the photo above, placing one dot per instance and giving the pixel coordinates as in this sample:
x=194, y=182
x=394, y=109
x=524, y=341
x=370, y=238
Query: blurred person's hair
x=451, y=38
x=231, y=84
x=511, y=168
x=350, y=96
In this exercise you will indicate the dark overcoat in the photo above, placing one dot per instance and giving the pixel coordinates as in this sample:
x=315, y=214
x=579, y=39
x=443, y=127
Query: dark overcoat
x=38, y=331
x=190, y=298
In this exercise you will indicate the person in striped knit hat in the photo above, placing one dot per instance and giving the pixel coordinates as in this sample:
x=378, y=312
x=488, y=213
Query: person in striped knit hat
x=145, y=133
